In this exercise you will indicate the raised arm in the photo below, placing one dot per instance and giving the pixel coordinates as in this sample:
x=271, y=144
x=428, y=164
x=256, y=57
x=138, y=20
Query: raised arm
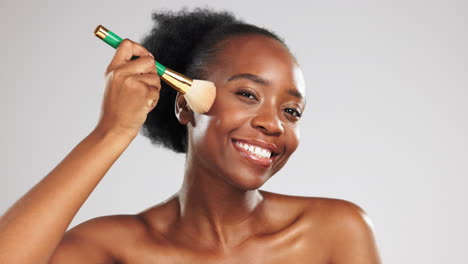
x=33, y=227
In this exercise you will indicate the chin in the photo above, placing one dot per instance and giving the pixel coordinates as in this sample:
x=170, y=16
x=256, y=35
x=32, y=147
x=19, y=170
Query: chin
x=247, y=181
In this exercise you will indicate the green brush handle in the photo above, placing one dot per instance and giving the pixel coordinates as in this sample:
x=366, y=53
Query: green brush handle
x=114, y=41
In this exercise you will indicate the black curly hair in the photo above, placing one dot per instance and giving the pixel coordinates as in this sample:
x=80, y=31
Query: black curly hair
x=187, y=41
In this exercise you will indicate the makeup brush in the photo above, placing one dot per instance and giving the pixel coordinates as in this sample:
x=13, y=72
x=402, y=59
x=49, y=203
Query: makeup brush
x=199, y=94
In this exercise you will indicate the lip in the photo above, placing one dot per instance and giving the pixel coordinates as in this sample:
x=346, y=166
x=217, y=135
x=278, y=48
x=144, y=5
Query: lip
x=271, y=147
x=256, y=160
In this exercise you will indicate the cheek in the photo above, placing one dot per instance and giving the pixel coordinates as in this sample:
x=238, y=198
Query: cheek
x=224, y=116
x=293, y=138
x=217, y=126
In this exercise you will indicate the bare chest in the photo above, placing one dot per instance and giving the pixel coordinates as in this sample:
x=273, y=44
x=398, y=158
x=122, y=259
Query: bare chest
x=298, y=252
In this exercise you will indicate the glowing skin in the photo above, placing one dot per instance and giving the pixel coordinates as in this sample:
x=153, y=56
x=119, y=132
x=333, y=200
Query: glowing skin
x=219, y=215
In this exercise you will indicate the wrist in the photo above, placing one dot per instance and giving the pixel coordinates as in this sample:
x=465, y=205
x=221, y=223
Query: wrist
x=124, y=137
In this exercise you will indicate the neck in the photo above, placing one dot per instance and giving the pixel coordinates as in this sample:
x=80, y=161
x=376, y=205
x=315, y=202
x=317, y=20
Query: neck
x=215, y=210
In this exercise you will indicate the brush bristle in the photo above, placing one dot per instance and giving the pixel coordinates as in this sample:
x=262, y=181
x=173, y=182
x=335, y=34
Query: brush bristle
x=200, y=96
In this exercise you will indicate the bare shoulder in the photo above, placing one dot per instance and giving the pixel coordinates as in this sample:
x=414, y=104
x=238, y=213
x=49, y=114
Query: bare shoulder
x=348, y=228
x=98, y=240
x=329, y=211
x=338, y=213
x=351, y=232
x=338, y=226
x=115, y=238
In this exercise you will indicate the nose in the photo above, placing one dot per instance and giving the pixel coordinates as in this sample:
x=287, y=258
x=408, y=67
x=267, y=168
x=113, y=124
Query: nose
x=268, y=121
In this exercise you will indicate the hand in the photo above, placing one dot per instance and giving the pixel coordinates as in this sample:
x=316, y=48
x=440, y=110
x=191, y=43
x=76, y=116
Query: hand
x=132, y=90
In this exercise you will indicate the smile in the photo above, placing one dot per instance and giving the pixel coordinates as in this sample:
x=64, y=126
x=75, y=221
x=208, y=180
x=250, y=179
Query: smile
x=259, y=155
x=256, y=150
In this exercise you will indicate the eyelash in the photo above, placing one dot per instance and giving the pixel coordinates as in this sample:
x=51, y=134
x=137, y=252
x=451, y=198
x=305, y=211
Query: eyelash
x=293, y=112
x=247, y=94
x=290, y=111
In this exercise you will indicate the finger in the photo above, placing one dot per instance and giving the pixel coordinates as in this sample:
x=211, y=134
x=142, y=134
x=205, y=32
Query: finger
x=153, y=85
x=126, y=50
x=152, y=103
x=151, y=80
x=152, y=97
x=142, y=65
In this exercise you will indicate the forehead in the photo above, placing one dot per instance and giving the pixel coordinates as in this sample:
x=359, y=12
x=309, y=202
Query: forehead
x=259, y=55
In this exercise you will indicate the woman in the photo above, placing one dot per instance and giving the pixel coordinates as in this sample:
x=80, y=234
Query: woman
x=219, y=215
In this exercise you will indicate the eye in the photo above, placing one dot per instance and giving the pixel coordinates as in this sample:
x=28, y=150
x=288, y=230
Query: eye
x=247, y=94
x=293, y=112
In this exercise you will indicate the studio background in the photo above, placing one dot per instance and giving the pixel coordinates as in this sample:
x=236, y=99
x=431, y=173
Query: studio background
x=385, y=125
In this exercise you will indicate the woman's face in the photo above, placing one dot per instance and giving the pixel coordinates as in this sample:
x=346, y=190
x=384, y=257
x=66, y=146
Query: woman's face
x=253, y=126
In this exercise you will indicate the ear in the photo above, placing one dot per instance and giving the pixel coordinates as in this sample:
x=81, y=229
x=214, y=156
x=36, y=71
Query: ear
x=182, y=110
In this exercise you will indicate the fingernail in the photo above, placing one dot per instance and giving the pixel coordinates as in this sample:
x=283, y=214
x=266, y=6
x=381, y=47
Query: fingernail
x=151, y=54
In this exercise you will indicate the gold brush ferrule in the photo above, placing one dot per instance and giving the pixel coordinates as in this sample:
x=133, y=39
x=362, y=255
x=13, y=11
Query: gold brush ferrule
x=177, y=81
x=101, y=32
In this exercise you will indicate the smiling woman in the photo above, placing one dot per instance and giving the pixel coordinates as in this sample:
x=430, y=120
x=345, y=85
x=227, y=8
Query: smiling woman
x=219, y=215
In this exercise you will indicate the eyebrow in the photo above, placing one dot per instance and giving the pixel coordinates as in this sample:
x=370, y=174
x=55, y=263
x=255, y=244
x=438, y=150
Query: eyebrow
x=251, y=77
x=260, y=80
x=295, y=93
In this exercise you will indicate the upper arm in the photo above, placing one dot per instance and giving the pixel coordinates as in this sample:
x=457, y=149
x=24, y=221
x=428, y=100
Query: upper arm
x=83, y=244
x=353, y=236
x=76, y=250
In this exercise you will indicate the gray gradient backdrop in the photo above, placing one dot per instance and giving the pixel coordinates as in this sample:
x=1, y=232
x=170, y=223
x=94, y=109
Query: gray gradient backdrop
x=386, y=125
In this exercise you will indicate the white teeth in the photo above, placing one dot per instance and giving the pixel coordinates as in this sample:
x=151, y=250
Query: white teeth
x=261, y=152
x=257, y=150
